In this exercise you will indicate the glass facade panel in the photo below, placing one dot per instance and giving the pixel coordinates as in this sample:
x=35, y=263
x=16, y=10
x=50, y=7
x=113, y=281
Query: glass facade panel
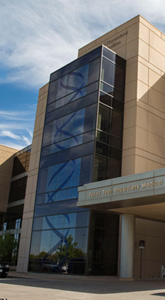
x=59, y=250
x=103, y=244
x=71, y=107
x=109, y=54
x=110, y=119
x=74, y=82
x=59, y=195
x=63, y=101
x=69, y=126
x=69, y=143
x=108, y=71
x=111, y=91
x=17, y=189
x=82, y=142
x=62, y=221
x=21, y=161
x=59, y=207
x=66, y=163
x=13, y=217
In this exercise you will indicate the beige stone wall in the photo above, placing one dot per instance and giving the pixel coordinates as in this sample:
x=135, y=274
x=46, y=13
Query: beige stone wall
x=143, y=47
x=143, y=147
x=24, y=247
x=6, y=165
x=153, y=255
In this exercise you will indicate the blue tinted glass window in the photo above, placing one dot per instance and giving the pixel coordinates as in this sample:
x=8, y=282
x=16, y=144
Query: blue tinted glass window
x=74, y=82
x=61, y=221
x=64, y=128
x=70, y=125
x=60, y=176
x=66, y=159
x=111, y=91
x=109, y=54
x=47, y=243
x=68, y=143
x=68, y=154
x=108, y=71
x=90, y=118
x=69, y=83
x=59, y=195
x=55, y=208
x=94, y=71
x=71, y=107
x=84, y=91
x=86, y=170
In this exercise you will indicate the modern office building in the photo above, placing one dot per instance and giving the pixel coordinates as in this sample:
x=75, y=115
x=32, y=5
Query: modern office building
x=13, y=178
x=95, y=192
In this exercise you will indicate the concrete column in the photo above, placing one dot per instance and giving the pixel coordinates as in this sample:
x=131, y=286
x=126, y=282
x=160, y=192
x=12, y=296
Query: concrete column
x=127, y=246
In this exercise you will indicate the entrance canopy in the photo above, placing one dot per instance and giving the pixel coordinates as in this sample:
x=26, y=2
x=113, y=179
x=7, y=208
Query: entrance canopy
x=140, y=194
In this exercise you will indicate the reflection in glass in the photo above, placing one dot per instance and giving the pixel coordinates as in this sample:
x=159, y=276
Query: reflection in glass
x=103, y=244
x=110, y=121
x=69, y=126
x=59, y=207
x=106, y=168
x=105, y=98
x=67, y=99
x=108, y=71
x=111, y=91
x=62, y=221
x=65, y=85
x=109, y=54
x=60, y=176
x=57, y=251
x=69, y=143
x=60, y=232
x=104, y=118
x=60, y=195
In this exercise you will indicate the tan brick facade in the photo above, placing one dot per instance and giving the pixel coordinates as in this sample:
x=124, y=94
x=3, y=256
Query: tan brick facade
x=6, y=165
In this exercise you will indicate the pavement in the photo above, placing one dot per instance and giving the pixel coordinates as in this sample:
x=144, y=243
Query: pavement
x=25, y=286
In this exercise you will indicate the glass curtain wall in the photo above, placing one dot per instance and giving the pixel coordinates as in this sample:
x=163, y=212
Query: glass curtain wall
x=104, y=227
x=82, y=142
x=110, y=117
x=60, y=228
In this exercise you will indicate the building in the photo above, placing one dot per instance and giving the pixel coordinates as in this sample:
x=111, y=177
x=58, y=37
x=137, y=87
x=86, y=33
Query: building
x=13, y=177
x=99, y=130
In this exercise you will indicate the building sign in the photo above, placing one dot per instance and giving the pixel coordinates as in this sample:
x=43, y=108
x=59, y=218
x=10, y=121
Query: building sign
x=116, y=40
x=121, y=189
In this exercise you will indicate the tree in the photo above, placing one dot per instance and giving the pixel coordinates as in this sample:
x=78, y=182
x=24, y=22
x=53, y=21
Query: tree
x=8, y=247
x=69, y=250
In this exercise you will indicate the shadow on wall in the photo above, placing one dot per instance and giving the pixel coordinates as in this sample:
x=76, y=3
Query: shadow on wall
x=143, y=141
x=5, y=179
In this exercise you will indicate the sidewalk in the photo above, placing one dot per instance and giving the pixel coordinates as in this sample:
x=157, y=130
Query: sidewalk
x=18, y=286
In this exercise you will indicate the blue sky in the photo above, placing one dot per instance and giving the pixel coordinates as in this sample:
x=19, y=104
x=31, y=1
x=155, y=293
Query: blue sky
x=39, y=36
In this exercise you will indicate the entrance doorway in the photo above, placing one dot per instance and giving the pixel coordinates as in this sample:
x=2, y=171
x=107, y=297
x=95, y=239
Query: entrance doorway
x=103, y=244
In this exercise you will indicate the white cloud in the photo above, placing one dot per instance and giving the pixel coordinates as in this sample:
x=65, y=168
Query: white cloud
x=14, y=127
x=30, y=132
x=38, y=37
x=9, y=134
x=15, y=116
x=26, y=140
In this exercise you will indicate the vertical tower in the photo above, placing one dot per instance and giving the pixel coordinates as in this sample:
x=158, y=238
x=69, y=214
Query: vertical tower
x=82, y=140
